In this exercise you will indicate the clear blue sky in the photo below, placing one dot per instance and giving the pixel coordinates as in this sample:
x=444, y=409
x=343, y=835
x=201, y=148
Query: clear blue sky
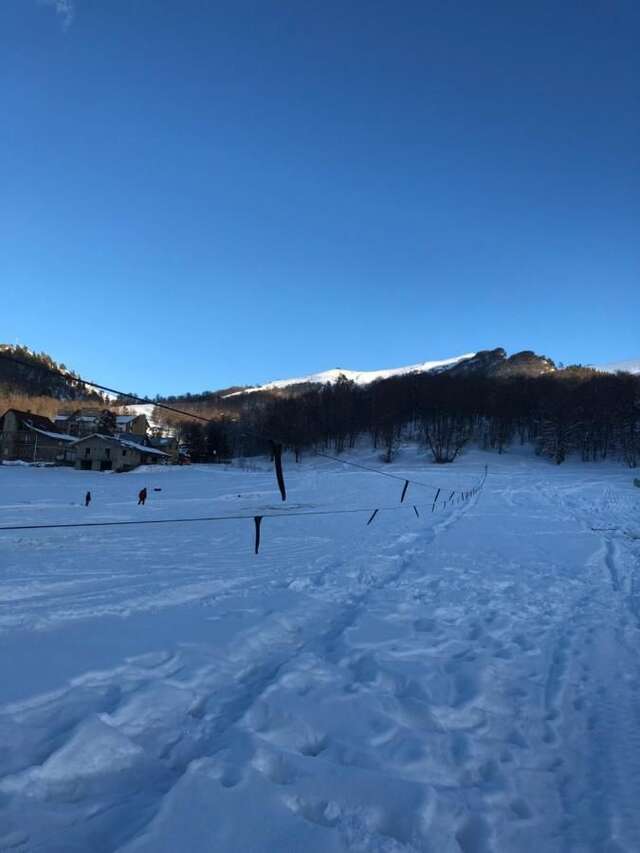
x=195, y=194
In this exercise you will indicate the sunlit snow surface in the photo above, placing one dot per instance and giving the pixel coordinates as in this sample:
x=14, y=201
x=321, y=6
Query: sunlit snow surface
x=464, y=681
x=632, y=365
x=360, y=377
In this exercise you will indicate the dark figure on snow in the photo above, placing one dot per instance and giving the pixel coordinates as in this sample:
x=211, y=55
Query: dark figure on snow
x=87, y=499
x=142, y=496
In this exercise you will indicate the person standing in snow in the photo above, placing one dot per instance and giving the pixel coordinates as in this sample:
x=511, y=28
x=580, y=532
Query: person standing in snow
x=87, y=499
x=142, y=496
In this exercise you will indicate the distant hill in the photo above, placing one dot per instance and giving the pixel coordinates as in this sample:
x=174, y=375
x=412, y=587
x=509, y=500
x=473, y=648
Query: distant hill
x=493, y=362
x=31, y=380
x=32, y=376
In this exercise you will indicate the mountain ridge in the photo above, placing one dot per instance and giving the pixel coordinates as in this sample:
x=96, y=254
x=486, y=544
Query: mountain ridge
x=493, y=362
x=37, y=380
x=359, y=377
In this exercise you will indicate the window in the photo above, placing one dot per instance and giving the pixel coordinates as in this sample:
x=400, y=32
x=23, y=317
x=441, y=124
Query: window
x=87, y=451
x=124, y=452
x=107, y=452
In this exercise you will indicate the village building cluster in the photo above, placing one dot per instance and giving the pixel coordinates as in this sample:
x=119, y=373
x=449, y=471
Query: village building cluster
x=89, y=439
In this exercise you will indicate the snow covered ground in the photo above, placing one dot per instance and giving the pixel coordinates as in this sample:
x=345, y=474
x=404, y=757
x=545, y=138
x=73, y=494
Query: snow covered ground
x=464, y=681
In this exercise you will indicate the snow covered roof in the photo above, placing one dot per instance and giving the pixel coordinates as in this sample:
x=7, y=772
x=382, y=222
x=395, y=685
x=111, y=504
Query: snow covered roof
x=59, y=436
x=127, y=443
x=79, y=415
x=89, y=418
x=86, y=418
x=132, y=436
x=143, y=448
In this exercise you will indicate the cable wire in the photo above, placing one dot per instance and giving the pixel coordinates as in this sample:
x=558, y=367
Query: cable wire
x=285, y=515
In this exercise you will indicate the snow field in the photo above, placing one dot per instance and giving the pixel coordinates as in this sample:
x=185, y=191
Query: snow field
x=465, y=681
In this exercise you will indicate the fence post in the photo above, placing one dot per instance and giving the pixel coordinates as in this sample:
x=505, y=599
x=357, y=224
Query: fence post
x=257, y=519
x=277, y=461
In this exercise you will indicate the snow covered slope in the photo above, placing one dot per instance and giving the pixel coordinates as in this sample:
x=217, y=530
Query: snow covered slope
x=145, y=409
x=632, y=365
x=360, y=377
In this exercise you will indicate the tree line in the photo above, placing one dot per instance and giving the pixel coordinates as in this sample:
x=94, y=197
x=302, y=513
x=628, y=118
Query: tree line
x=575, y=411
x=36, y=377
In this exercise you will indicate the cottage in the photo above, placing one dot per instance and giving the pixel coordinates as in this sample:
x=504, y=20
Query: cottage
x=31, y=438
x=134, y=424
x=83, y=422
x=168, y=444
x=78, y=422
x=98, y=452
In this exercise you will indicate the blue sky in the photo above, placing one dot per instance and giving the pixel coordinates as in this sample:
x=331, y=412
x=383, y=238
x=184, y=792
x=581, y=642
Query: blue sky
x=197, y=194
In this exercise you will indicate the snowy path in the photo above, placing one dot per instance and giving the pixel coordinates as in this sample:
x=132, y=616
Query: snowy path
x=466, y=681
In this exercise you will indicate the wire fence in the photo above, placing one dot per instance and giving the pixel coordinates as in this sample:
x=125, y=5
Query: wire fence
x=439, y=503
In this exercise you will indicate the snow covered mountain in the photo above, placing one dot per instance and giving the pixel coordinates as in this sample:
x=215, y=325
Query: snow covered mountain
x=493, y=362
x=360, y=377
x=632, y=365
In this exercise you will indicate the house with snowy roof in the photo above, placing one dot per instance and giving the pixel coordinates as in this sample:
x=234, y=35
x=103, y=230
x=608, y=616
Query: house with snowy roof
x=31, y=438
x=134, y=424
x=118, y=452
x=81, y=422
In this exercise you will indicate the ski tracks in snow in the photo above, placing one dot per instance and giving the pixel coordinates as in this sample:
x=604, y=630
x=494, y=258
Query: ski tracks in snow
x=595, y=711
x=91, y=765
x=468, y=683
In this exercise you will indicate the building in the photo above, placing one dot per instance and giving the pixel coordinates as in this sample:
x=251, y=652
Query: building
x=34, y=438
x=134, y=424
x=82, y=422
x=98, y=452
x=167, y=443
x=78, y=422
x=31, y=438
